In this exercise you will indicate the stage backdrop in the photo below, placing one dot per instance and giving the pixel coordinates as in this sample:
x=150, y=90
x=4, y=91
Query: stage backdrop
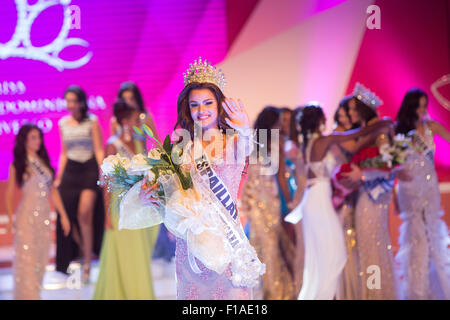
x=284, y=53
x=42, y=51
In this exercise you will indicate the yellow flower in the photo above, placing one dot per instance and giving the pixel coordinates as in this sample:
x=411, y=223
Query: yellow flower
x=154, y=154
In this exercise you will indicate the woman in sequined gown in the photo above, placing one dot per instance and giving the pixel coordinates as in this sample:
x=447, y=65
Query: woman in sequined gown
x=348, y=283
x=32, y=173
x=423, y=252
x=202, y=105
x=325, y=253
x=260, y=202
x=125, y=270
x=377, y=272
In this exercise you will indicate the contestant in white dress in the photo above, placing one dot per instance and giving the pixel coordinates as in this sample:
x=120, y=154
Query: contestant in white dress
x=325, y=252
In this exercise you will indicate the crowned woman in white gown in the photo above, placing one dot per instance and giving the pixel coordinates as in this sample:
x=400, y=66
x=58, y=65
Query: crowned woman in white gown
x=325, y=252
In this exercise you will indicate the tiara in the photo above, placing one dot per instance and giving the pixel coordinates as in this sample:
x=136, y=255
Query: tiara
x=204, y=72
x=368, y=97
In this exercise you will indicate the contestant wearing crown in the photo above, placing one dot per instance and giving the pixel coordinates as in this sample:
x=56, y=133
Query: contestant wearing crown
x=210, y=264
x=373, y=242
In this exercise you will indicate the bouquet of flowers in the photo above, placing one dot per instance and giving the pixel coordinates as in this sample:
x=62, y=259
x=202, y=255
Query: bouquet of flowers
x=185, y=204
x=121, y=173
x=386, y=158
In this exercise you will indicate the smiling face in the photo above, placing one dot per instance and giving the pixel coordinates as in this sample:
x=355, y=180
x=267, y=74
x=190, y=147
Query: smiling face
x=34, y=141
x=422, y=109
x=204, y=108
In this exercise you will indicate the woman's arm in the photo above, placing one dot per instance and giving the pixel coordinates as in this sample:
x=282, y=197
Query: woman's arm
x=56, y=199
x=354, y=146
x=281, y=176
x=98, y=145
x=62, y=161
x=372, y=130
x=9, y=196
x=322, y=144
x=439, y=129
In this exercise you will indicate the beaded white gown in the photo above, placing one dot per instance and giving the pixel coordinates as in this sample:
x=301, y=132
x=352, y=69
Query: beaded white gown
x=33, y=232
x=423, y=253
x=325, y=251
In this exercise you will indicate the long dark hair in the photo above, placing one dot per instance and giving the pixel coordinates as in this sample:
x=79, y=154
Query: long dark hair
x=185, y=120
x=365, y=112
x=295, y=120
x=122, y=110
x=266, y=119
x=82, y=99
x=407, y=114
x=20, y=161
x=310, y=122
x=131, y=86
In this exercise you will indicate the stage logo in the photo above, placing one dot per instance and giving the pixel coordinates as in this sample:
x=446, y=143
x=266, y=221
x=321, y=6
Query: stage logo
x=20, y=44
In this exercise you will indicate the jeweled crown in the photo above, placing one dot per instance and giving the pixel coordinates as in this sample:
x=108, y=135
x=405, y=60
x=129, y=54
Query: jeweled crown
x=368, y=97
x=203, y=72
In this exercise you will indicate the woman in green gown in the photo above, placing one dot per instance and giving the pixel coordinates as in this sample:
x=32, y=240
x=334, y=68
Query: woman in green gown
x=125, y=272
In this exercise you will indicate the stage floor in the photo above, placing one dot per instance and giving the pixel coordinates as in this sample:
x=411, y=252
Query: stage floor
x=58, y=286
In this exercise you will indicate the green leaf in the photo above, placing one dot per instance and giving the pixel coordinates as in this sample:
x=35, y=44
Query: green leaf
x=186, y=181
x=167, y=146
x=138, y=131
x=153, y=162
x=147, y=130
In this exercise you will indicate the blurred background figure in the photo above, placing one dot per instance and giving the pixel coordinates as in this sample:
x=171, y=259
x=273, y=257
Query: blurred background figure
x=32, y=173
x=285, y=177
x=81, y=156
x=125, y=272
x=345, y=204
x=373, y=239
x=297, y=181
x=130, y=93
x=424, y=238
x=261, y=206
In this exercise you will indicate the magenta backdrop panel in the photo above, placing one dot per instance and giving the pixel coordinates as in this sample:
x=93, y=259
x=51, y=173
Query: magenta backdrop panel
x=410, y=50
x=149, y=42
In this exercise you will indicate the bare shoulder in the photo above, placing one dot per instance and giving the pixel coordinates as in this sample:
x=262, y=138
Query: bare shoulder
x=63, y=120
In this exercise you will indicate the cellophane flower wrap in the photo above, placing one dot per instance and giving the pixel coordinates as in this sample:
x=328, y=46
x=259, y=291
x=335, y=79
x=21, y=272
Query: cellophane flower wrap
x=184, y=204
